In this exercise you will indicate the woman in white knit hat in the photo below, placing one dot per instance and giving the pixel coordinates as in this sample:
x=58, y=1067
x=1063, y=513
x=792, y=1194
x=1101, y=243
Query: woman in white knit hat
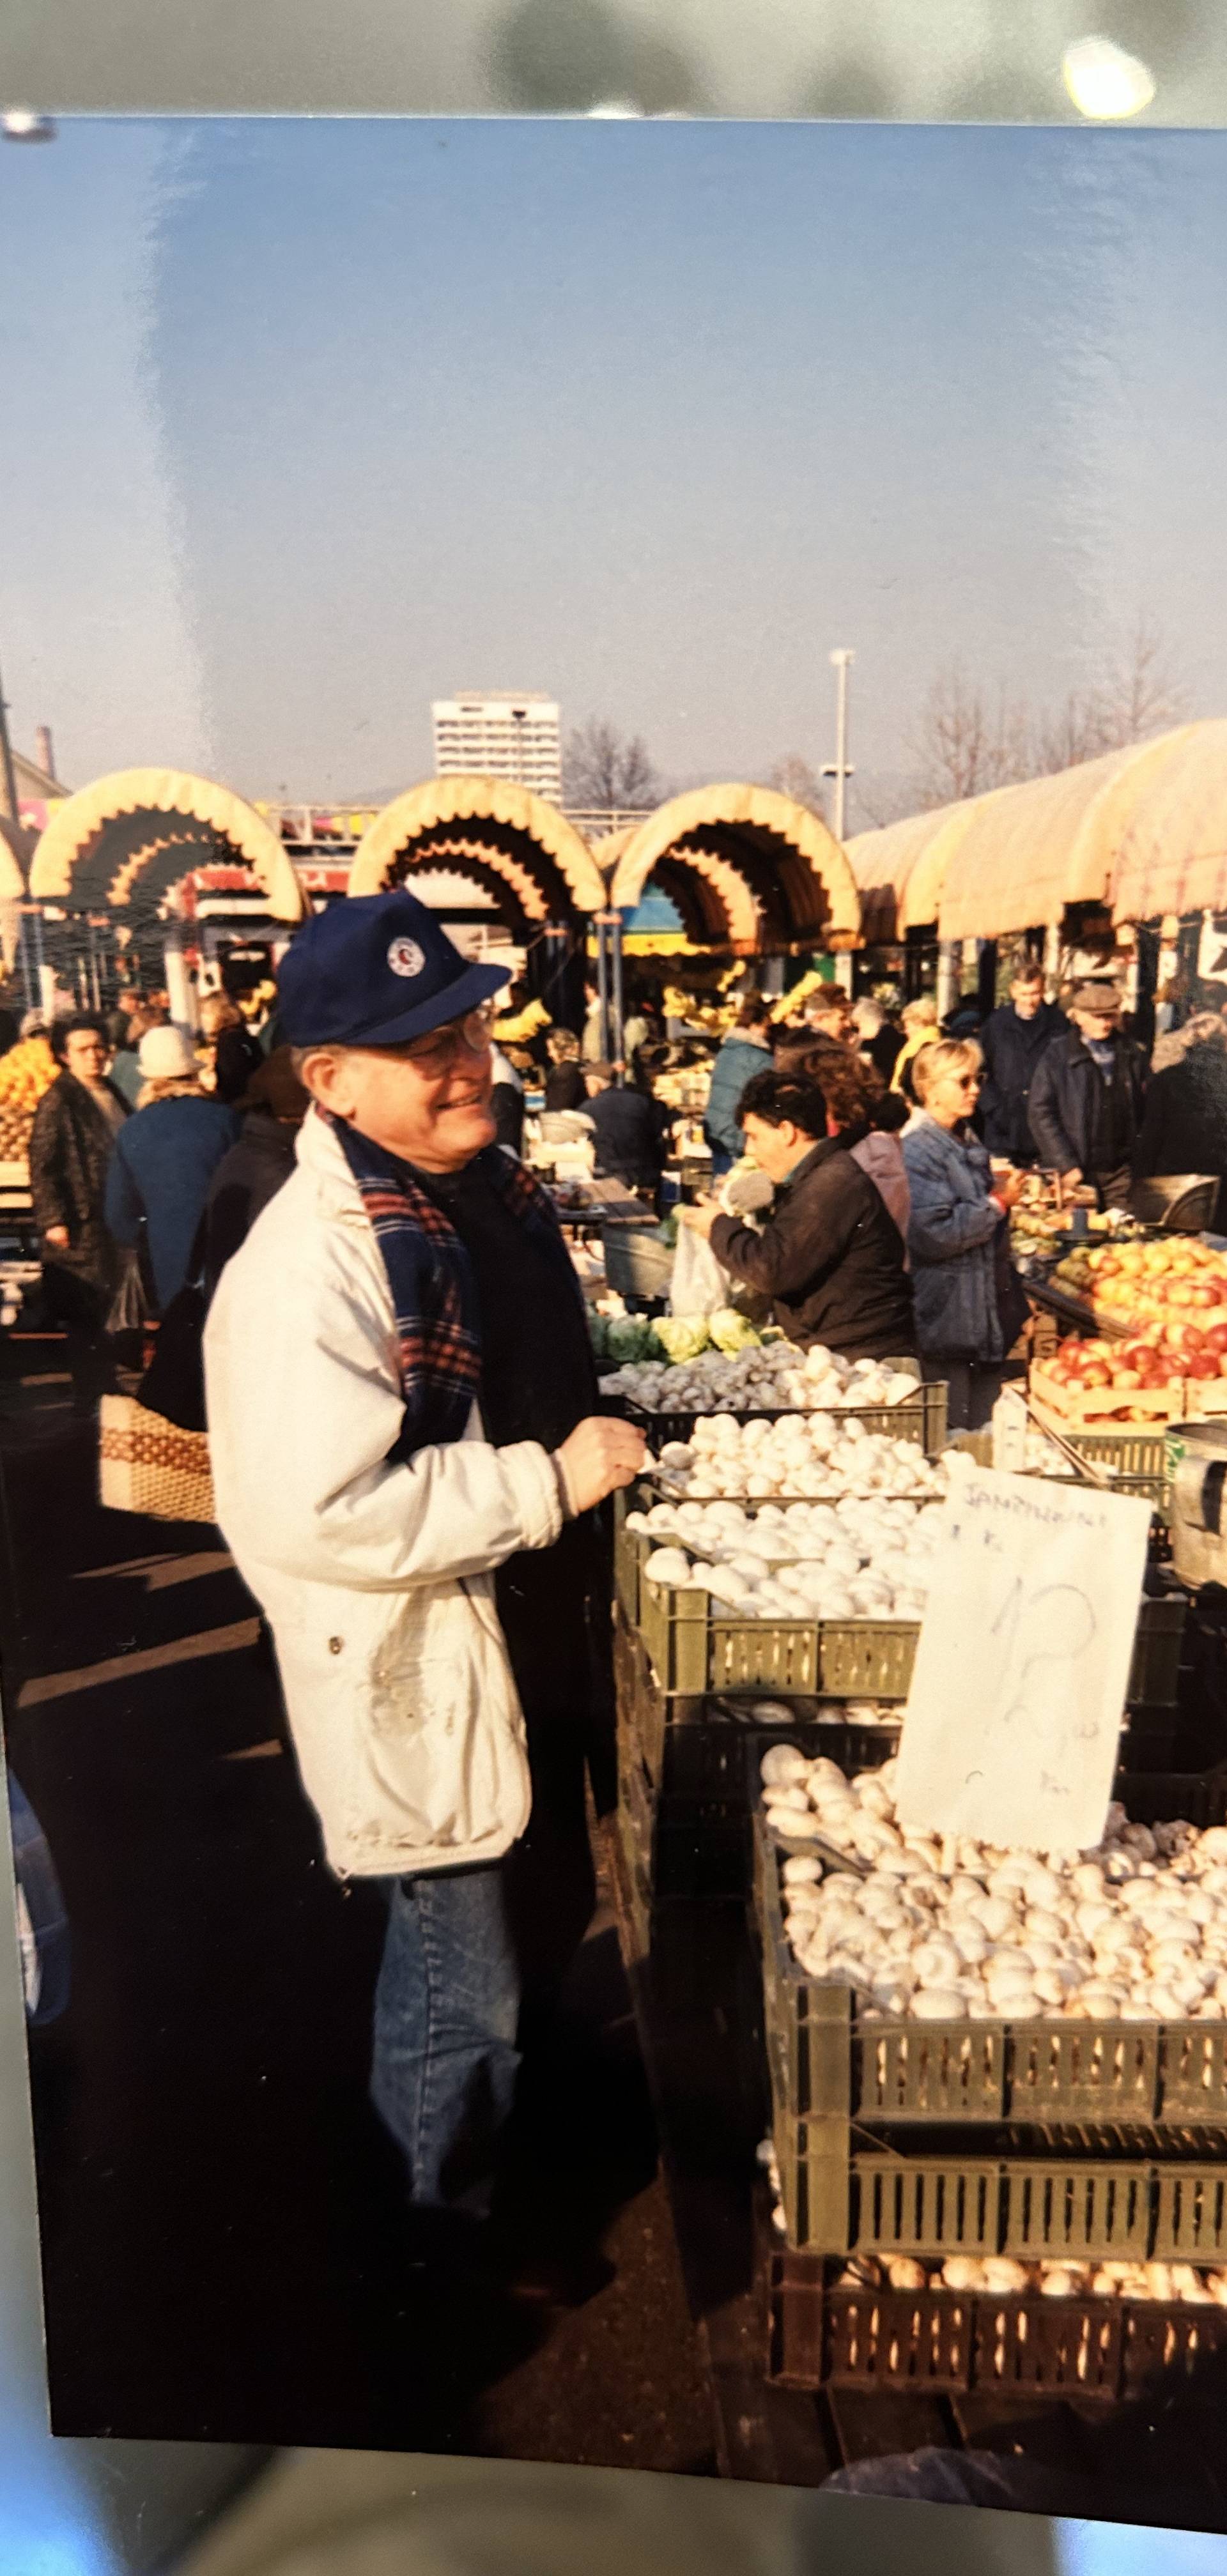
x=164, y=1159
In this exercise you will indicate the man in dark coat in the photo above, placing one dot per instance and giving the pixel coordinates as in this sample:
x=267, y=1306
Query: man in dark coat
x=1085, y=1109
x=831, y=1257
x=1012, y=1041
x=75, y=1125
x=1184, y=1128
x=256, y=1167
x=630, y=1130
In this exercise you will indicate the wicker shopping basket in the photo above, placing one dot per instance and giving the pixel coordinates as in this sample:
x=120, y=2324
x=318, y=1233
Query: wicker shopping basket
x=148, y=1465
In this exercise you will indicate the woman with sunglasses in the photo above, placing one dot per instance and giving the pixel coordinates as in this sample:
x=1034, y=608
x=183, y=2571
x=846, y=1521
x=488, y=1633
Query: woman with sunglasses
x=970, y=1303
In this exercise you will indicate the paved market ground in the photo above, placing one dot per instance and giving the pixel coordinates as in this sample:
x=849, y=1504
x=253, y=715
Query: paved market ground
x=219, y=2207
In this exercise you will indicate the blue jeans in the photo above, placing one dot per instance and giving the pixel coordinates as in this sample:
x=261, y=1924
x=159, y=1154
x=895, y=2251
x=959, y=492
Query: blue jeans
x=446, y=2007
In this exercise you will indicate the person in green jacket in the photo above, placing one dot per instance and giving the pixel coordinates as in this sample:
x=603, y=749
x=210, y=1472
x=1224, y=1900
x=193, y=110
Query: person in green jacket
x=745, y=1052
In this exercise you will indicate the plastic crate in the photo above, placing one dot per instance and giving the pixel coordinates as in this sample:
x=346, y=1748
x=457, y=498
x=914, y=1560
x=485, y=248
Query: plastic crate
x=1088, y=2207
x=829, y=2066
x=1138, y=1460
x=677, y=1845
x=920, y=1418
x=712, y=1748
x=936, y=2340
x=697, y=1650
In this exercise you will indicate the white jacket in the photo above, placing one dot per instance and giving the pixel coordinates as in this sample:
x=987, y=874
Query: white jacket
x=375, y=1578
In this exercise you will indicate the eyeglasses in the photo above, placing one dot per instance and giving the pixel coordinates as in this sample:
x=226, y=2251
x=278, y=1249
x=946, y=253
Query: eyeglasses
x=969, y=1081
x=439, y=1046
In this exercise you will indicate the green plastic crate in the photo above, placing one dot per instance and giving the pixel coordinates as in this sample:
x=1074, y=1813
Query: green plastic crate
x=697, y=1650
x=828, y=2065
x=840, y=2198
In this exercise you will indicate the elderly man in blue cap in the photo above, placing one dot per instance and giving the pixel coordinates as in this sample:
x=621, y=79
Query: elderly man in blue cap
x=407, y=1455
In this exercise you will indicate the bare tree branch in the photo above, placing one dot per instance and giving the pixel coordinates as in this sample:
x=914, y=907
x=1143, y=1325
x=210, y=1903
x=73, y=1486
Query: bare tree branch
x=969, y=741
x=793, y=776
x=603, y=770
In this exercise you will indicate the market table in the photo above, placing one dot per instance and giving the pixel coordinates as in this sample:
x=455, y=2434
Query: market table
x=1073, y=1313
x=605, y=1203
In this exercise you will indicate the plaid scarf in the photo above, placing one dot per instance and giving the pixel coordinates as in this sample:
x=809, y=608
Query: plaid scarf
x=434, y=1292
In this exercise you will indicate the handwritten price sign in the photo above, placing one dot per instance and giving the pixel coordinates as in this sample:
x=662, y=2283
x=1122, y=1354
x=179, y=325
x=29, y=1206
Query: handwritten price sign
x=1014, y=1716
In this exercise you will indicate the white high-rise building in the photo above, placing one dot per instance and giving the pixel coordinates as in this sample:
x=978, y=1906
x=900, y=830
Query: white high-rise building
x=500, y=735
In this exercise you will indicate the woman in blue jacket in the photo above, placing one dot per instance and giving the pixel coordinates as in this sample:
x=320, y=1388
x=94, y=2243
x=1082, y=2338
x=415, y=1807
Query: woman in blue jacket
x=970, y=1304
x=740, y=1058
x=164, y=1158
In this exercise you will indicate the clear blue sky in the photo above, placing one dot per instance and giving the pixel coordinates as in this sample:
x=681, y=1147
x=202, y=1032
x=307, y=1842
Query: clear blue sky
x=305, y=423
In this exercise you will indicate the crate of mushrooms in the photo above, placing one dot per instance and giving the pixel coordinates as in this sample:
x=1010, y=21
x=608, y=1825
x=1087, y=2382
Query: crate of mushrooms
x=915, y=1984
x=990, y=2323
x=820, y=1598
x=673, y=1400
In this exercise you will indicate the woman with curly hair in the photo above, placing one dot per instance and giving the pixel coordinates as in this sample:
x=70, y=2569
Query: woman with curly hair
x=864, y=1115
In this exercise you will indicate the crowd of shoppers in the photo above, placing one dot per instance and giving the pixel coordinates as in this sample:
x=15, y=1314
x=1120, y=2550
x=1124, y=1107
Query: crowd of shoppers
x=124, y=1146
x=1060, y=1085
x=407, y=1450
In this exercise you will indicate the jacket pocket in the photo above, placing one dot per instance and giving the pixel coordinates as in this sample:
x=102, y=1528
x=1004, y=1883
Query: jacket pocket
x=441, y=1744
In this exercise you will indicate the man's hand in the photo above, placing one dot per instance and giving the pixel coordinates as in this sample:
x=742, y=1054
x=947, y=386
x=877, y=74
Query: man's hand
x=702, y=1218
x=1070, y=1180
x=601, y=1455
x=57, y=1234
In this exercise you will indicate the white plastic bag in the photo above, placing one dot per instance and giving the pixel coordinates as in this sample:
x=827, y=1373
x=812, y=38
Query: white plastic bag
x=698, y=1285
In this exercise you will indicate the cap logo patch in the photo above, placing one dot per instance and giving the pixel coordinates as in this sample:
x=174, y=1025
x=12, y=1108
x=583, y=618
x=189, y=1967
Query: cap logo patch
x=405, y=957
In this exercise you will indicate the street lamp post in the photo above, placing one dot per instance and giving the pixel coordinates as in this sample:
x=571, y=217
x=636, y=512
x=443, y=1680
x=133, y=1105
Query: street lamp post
x=838, y=768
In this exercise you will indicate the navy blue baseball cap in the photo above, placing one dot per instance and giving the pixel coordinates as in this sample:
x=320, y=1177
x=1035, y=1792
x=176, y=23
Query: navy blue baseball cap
x=376, y=970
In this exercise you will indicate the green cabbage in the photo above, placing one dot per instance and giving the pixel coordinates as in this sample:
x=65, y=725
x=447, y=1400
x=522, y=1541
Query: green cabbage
x=629, y=1338
x=732, y=1332
x=682, y=1336
x=598, y=1334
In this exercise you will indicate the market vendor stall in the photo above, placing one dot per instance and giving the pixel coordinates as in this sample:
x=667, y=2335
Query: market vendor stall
x=993, y=2176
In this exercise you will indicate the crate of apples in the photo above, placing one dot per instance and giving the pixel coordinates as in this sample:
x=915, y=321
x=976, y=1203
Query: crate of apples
x=1161, y=1282
x=1162, y=1373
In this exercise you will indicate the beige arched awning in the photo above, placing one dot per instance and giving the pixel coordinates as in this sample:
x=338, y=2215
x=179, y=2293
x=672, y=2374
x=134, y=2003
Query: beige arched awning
x=1142, y=829
x=522, y=843
x=755, y=869
x=1170, y=842
x=149, y=829
x=608, y=851
x=1028, y=851
x=900, y=868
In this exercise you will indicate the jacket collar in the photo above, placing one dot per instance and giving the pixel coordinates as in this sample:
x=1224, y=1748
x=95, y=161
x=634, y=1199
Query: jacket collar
x=1080, y=1053
x=925, y=1124
x=320, y=1153
x=818, y=1154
